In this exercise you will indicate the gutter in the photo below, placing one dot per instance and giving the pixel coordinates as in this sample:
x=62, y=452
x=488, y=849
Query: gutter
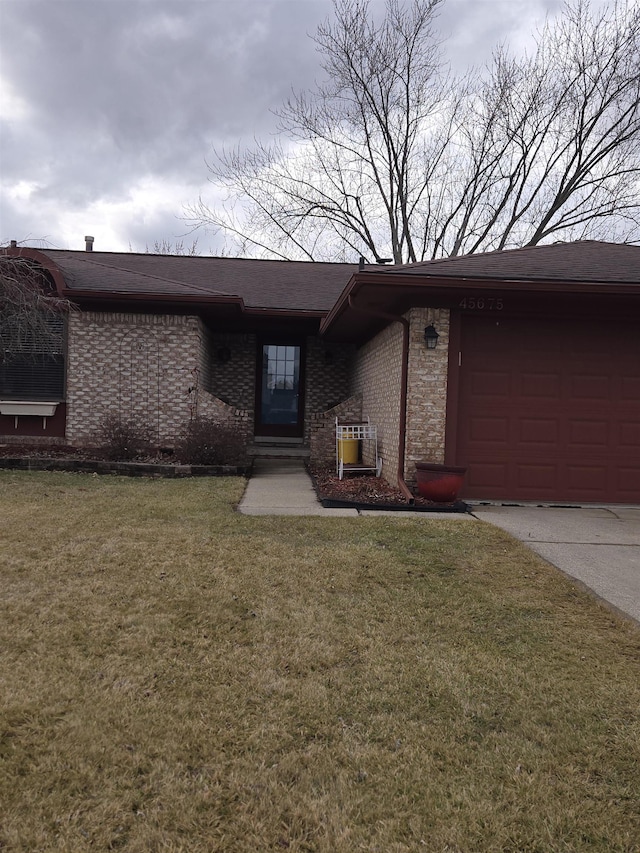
x=101, y=297
x=402, y=426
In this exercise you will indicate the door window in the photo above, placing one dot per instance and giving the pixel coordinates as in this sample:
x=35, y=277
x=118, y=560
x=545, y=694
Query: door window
x=280, y=397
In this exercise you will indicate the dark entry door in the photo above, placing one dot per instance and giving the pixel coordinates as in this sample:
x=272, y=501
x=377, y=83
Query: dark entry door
x=280, y=392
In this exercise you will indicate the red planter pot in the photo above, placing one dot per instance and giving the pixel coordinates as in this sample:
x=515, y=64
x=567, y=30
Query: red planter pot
x=439, y=483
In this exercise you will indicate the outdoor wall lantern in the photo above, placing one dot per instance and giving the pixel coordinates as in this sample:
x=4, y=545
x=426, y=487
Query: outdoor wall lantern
x=223, y=355
x=431, y=337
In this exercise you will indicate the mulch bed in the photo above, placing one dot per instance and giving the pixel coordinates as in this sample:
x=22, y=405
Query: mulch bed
x=93, y=460
x=59, y=451
x=366, y=491
x=66, y=451
x=362, y=491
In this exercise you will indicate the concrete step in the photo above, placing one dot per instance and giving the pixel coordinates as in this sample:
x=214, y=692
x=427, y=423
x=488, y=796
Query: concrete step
x=277, y=439
x=272, y=450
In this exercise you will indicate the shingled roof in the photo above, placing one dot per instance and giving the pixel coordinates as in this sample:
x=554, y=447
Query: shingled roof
x=584, y=260
x=284, y=285
x=321, y=289
x=587, y=267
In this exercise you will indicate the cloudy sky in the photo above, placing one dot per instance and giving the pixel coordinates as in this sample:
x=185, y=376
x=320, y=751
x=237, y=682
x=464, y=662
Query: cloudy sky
x=109, y=108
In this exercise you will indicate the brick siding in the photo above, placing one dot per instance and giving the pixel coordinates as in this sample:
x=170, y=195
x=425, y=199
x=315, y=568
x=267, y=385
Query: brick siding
x=145, y=367
x=322, y=429
x=427, y=390
x=376, y=379
x=328, y=372
x=163, y=370
x=327, y=381
x=232, y=369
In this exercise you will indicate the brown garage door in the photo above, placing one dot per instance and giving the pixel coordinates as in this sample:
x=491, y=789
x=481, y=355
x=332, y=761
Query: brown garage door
x=550, y=409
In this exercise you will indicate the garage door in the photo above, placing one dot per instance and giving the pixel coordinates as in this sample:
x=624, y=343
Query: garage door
x=550, y=409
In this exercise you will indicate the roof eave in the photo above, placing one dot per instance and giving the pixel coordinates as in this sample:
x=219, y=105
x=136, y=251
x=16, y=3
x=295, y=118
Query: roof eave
x=398, y=282
x=169, y=299
x=127, y=296
x=40, y=258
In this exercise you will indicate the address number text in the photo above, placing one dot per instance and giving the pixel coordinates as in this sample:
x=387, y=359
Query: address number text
x=489, y=303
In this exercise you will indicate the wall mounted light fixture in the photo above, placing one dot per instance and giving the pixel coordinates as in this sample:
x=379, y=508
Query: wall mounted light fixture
x=431, y=337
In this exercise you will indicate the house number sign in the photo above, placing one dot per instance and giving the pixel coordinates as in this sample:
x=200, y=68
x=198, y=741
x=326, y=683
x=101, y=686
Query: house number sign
x=481, y=303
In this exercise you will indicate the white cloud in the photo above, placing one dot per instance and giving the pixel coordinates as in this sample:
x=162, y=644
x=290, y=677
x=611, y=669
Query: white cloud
x=22, y=190
x=110, y=108
x=14, y=108
x=148, y=212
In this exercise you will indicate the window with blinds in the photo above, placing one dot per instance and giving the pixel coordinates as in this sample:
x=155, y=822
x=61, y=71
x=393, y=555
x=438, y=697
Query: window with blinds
x=33, y=367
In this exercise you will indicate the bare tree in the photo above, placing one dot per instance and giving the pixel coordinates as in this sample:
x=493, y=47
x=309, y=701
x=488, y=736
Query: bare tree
x=390, y=156
x=31, y=312
x=168, y=247
x=354, y=171
x=551, y=140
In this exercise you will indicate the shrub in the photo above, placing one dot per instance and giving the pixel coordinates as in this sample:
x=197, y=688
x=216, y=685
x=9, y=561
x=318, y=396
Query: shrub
x=123, y=439
x=207, y=442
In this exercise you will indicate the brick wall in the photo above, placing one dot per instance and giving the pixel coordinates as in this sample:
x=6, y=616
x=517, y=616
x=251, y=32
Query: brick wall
x=165, y=369
x=232, y=376
x=322, y=429
x=376, y=379
x=162, y=370
x=146, y=367
x=205, y=357
x=209, y=406
x=232, y=373
x=327, y=380
x=427, y=390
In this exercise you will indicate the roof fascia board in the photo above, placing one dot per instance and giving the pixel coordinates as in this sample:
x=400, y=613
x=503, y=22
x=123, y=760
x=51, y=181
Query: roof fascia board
x=102, y=297
x=517, y=284
x=415, y=281
x=111, y=295
x=43, y=260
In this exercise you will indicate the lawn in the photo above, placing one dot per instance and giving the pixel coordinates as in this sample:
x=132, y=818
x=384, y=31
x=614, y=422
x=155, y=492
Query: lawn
x=177, y=677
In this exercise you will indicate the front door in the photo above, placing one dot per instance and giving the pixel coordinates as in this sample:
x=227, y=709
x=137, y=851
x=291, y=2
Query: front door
x=280, y=393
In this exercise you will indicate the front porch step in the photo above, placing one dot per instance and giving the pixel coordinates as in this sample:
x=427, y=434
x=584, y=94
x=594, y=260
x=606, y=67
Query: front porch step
x=277, y=449
x=277, y=439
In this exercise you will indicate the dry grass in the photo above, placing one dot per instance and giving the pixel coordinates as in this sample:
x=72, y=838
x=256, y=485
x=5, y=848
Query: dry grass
x=177, y=677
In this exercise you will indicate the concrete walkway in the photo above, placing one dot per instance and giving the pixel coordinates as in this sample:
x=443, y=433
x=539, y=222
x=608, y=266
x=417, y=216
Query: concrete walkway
x=283, y=487
x=600, y=546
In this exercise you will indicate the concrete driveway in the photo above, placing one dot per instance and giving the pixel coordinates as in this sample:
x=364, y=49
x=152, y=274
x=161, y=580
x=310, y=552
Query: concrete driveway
x=599, y=546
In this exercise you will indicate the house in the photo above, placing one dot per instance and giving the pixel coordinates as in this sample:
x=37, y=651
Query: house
x=530, y=377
